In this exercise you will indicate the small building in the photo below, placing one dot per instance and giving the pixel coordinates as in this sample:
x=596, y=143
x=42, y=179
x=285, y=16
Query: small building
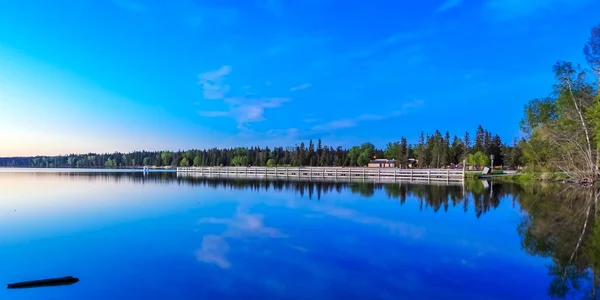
x=412, y=163
x=382, y=163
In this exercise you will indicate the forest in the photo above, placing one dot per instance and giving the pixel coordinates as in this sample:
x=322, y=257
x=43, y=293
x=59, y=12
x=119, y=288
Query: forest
x=431, y=151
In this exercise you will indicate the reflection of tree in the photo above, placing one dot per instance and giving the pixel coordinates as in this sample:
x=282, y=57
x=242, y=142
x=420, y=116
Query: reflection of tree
x=435, y=197
x=562, y=224
x=365, y=189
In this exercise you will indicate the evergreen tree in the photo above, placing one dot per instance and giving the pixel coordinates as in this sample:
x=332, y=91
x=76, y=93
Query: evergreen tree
x=458, y=151
x=479, y=140
x=466, y=144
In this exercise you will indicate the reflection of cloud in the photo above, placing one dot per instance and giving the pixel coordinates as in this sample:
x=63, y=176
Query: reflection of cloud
x=399, y=228
x=298, y=248
x=214, y=248
x=213, y=251
x=476, y=247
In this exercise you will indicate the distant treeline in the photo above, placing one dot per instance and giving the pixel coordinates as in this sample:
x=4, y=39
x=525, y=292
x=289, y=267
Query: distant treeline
x=434, y=150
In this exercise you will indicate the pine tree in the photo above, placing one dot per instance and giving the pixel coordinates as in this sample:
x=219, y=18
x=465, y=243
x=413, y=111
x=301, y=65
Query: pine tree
x=458, y=150
x=404, y=151
x=479, y=140
x=421, y=151
x=445, y=157
x=467, y=143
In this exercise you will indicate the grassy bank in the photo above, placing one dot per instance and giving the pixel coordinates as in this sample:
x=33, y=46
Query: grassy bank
x=477, y=174
x=529, y=177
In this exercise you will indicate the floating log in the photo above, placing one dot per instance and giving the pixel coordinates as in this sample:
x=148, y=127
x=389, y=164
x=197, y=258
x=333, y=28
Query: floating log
x=44, y=283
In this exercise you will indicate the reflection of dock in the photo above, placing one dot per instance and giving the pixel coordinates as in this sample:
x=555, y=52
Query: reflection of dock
x=329, y=174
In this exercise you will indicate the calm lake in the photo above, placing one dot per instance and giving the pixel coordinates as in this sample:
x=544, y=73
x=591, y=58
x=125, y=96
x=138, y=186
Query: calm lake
x=127, y=235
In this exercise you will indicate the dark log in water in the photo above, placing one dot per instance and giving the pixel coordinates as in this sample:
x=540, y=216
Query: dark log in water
x=44, y=282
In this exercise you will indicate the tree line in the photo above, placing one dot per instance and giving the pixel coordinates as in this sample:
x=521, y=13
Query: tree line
x=431, y=151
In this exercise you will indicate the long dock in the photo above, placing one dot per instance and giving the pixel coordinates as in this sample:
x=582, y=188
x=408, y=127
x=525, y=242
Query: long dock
x=387, y=174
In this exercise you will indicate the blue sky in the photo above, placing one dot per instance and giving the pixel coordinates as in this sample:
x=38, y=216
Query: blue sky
x=121, y=75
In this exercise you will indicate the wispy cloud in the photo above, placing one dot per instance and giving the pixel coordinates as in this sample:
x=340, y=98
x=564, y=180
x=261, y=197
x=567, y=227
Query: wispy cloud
x=449, y=4
x=212, y=83
x=334, y=125
x=248, y=110
x=352, y=122
x=244, y=109
x=212, y=114
x=507, y=9
x=310, y=120
x=214, y=248
x=300, y=87
x=131, y=5
x=397, y=228
x=405, y=39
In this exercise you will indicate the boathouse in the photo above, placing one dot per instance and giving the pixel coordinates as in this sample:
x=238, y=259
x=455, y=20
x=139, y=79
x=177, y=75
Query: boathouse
x=382, y=163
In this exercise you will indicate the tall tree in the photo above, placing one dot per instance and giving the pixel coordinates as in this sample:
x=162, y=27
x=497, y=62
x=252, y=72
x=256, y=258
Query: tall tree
x=458, y=151
x=479, y=140
x=421, y=151
x=591, y=51
x=404, y=150
x=446, y=152
x=393, y=151
x=467, y=143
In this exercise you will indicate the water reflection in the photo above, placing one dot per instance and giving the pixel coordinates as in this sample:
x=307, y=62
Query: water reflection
x=243, y=224
x=559, y=223
x=431, y=196
x=562, y=224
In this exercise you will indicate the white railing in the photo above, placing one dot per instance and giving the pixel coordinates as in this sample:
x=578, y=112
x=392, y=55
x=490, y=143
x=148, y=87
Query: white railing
x=330, y=172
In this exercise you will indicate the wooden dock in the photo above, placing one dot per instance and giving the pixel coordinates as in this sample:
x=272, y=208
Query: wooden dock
x=380, y=174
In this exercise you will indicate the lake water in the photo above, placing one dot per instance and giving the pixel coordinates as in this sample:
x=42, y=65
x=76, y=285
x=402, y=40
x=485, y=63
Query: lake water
x=156, y=236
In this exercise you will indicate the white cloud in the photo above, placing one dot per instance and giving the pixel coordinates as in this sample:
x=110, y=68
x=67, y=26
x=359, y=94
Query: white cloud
x=300, y=87
x=334, y=125
x=370, y=117
x=244, y=109
x=212, y=83
x=248, y=110
x=352, y=122
x=449, y=4
x=310, y=120
x=212, y=114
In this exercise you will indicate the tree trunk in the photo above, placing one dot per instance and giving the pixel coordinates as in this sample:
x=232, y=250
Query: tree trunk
x=591, y=162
